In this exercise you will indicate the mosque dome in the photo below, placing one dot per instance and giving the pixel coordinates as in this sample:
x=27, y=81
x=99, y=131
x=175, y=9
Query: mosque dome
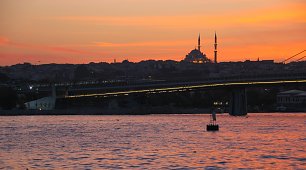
x=196, y=56
x=196, y=53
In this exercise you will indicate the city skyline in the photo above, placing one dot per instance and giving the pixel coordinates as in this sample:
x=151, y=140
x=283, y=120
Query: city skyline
x=101, y=31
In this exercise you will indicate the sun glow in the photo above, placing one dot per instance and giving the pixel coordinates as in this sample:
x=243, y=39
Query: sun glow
x=83, y=32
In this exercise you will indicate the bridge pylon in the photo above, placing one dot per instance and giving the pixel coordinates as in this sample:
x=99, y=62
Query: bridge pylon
x=238, y=102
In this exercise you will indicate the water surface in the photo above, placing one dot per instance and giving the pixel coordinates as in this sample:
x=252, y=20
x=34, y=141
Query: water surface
x=260, y=141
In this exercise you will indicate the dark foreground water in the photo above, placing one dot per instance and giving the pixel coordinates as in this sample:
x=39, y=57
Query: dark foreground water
x=261, y=141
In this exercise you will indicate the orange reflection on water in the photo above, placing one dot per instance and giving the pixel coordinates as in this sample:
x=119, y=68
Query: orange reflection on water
x=261, y=141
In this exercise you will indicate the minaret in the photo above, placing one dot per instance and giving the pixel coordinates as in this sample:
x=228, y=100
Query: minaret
x=199, y=43
x=216, y=47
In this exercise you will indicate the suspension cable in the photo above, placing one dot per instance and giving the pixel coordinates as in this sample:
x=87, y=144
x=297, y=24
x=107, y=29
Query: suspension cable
x=293, y=56
x=300, y=58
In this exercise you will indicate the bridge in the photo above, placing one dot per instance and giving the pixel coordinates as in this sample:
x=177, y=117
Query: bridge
x=236, y=84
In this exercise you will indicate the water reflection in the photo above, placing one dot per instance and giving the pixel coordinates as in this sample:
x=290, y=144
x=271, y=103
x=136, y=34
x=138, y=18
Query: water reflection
x=271, y=141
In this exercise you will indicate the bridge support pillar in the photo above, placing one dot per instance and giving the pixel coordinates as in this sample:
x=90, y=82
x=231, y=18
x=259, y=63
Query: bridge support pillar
x=238, y=102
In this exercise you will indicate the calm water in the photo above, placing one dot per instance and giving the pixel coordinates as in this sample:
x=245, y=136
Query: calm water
x=261, y=141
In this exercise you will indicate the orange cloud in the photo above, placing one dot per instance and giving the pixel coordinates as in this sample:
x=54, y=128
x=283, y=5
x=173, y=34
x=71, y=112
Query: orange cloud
x=146, y=44
x=3, y=40
x=7, y=42
x=284, y=13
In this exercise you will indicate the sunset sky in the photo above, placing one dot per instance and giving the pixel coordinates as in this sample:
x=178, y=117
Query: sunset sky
x=83, y=31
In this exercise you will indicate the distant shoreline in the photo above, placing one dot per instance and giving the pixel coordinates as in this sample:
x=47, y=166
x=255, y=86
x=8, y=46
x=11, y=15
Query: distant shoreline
x=109, y=112
x=98, y=111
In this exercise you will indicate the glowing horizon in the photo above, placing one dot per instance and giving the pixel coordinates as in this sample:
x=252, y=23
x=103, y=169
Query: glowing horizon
x=75, y=31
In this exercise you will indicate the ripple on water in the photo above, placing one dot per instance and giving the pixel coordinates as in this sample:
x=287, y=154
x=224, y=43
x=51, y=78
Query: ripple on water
x=222, y=162
x=301, y=159
x=267, y=156
x=100, y=159
x=213, y=168
x=152, y=142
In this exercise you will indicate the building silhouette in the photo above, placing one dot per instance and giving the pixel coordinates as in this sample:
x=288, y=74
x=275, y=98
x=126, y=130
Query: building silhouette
x=196, y=55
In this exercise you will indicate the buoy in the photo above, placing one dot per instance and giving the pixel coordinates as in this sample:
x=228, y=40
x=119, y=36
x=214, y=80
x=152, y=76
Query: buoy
x=212, y=126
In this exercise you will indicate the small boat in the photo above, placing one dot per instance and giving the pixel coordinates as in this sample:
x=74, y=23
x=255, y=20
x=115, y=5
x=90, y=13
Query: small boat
x=212, y=126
